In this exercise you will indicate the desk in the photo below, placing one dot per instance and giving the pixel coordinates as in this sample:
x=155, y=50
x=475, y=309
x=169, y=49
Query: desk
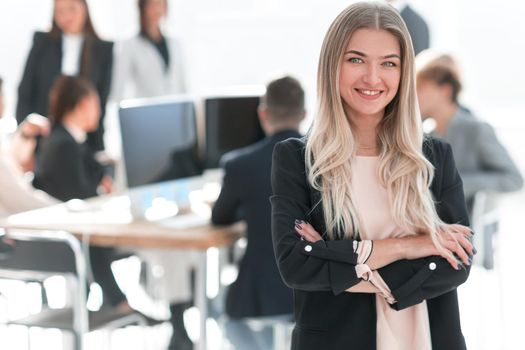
x=106, y=221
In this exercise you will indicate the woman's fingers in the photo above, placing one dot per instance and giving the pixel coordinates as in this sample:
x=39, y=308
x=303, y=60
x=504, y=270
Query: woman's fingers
x=452, y=244
x=466, y=244
x=465, y=230
x=451, y=260
x=307, y=231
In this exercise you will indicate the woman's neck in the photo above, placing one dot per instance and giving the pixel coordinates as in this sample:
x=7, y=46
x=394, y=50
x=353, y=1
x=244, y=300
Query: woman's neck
x=154, y=33
x=366, y=134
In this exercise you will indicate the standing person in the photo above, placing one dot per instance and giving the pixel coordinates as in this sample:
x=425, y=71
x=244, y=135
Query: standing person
x=365, y=210
x=149, y=64
x=71, y=47
x=416, y=25
x=259, y=291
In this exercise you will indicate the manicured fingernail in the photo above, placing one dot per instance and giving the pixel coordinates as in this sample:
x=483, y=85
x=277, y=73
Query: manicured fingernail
x=472, y=232
x=297, y=221
x=298, y=227
x=302, y=222
x=474, y=250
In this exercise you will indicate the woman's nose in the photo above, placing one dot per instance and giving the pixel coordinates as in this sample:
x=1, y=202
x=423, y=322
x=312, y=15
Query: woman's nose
x=371, y=75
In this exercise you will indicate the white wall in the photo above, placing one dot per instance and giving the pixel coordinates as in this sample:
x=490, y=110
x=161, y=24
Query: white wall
x=249, y=41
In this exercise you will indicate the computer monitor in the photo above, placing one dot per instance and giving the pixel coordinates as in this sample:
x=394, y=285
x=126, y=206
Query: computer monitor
x=231, y=122
x=159, y=140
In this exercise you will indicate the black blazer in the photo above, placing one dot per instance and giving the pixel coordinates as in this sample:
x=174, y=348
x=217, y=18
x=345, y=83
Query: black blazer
x=327, y=317
x=259, y=289
x=66, y=169
x=418, y=29
x=43, y=66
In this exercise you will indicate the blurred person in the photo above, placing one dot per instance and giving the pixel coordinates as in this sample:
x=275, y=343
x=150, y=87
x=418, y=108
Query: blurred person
x=67, y=168
x=149, y=64
x=17, y=194
x=259, y=291
x=71, y=47
x=417, y=26
x=369, y=221
x=482, y=161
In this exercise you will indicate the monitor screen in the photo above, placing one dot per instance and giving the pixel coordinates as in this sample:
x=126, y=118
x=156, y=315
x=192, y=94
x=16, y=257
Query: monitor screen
x=159, y=141
x=231, y=123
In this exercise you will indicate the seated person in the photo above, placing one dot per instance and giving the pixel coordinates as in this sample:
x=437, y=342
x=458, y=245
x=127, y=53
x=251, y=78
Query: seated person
x=259, y=290
x=67, y=168
x=16, y=194
x=482, y=161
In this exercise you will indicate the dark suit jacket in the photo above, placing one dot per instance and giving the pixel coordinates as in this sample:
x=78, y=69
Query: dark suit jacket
x=418, y=29
x=326, y=316
x=43, y=66
x=259, y=289
x=66, y=169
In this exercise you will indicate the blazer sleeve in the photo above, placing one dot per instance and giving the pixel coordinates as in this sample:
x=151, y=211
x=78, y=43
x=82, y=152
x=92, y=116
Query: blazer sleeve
x=106, y=71
x=412, y=281
x=179, y=66
x=103, y=85
x=26, y=89
x=320, y=266
x=18, y=195
x=225, y=208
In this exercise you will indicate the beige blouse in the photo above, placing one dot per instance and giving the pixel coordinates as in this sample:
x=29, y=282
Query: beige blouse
x=409, y=328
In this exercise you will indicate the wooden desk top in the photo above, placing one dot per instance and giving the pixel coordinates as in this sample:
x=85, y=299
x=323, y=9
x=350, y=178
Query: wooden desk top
x=108, y=222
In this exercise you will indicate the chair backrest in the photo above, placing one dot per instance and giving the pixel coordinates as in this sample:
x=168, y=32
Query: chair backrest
x=484, y=222
x=55, y=252
x=40, y=255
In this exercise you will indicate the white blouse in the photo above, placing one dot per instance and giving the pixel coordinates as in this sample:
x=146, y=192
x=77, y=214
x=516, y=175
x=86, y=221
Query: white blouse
x=407, y=329
x=71, y=51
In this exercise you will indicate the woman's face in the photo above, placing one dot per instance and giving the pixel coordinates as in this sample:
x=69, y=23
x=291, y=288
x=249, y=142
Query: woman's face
x=90, y=112
x=154, y=11
x=70, y=16
x=370, y=73
x=431, y=97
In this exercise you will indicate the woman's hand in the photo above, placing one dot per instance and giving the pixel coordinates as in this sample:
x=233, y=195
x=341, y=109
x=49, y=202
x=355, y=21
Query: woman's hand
x=454, y=239
x=106, y=184
x=34, y=125
x=307, y=232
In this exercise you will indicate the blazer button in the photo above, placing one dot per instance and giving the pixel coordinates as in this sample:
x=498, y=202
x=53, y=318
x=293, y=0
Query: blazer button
x=432, y=266
x=308, y=248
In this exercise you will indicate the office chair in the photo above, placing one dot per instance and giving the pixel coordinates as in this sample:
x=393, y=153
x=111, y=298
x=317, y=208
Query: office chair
x=485, y=223
x=38, y=255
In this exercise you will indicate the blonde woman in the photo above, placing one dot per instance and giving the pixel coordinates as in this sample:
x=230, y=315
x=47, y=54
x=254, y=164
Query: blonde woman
x=367, y=216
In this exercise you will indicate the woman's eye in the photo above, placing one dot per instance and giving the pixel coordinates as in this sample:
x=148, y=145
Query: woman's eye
x=389, y=64
x=355, y=60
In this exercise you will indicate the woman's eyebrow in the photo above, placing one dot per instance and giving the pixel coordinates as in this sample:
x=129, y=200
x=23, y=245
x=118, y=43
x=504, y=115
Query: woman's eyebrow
x=359, y=53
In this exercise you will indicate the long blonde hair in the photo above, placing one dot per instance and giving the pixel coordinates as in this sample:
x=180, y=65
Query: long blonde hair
x=331, y=144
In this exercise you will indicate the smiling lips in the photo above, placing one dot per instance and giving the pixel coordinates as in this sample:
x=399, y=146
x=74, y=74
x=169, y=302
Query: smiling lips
x=369, y=94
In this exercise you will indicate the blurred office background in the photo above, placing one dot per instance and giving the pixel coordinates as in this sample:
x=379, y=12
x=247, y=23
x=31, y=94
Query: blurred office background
x=248, y=42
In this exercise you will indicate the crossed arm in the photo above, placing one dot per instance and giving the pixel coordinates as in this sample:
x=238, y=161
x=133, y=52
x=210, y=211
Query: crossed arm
x=411, y=267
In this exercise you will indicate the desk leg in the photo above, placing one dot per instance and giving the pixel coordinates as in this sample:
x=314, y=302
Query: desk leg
x=200, y=297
